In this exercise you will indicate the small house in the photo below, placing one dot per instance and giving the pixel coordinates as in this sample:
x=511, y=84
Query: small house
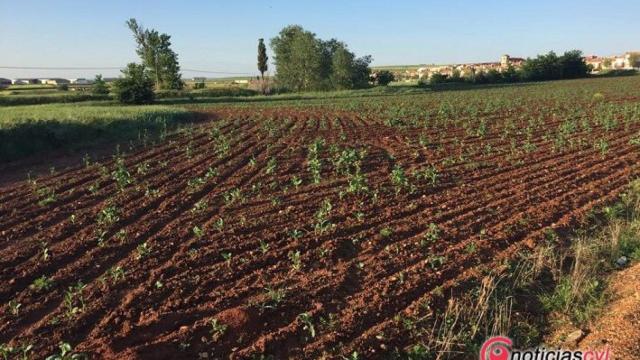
x=24, y=81
x=54, y=81
x=81, y=81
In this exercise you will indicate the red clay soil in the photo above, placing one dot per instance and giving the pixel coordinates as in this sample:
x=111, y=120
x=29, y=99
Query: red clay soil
x=195, y=233
x=618, y=328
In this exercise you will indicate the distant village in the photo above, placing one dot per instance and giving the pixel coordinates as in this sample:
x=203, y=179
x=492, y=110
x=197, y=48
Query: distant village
x=83, y=81
x=627, y=61
x=50, y=81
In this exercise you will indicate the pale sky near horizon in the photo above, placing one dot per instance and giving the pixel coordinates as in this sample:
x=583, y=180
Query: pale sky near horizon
x=222, y=35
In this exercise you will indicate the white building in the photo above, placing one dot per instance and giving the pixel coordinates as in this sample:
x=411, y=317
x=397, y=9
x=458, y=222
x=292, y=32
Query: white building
x=24, y=81
x=81, y=81
x=54, y=81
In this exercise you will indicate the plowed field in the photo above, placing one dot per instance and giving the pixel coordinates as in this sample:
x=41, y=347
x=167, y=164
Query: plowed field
x=296, y=232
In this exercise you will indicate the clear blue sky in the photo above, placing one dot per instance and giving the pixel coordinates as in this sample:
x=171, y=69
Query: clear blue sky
x=222, y=35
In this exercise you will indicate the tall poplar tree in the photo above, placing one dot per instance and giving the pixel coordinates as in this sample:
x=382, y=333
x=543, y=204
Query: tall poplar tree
x=262, y=58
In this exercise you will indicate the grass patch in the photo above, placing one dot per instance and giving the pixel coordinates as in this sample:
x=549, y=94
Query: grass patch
x=26, y=130
x=48, y=96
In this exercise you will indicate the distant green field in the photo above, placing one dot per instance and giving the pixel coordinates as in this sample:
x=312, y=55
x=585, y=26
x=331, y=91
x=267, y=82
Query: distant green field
x=397, y=67
x=225, y=81
x=29, y=129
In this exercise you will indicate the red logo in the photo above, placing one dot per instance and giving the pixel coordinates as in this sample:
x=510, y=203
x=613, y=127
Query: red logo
x=496, y=348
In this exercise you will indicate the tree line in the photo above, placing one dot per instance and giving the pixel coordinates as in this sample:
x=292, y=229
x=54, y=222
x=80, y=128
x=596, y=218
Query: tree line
x=570, y=65
x=305, y=62
x=158, y=69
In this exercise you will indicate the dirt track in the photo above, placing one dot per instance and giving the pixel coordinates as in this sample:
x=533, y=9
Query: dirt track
x=154, y=256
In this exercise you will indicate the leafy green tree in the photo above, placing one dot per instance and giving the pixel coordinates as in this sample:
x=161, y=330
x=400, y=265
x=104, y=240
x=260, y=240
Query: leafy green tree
x=634, y=59
x=573, y=65
x=456, y=77
x=342, y=69
x=384, y=77
x=304, y=62
x=262, y=58
x=480, y=78
x=155, y=51
x=510, y=75
x=298, y=59
x=550, y=66
x=542, y=67
x=169, y=66
x=361, y=72
x=437, y=78
x=493, y=76
x=135, y=87
x=99, y=86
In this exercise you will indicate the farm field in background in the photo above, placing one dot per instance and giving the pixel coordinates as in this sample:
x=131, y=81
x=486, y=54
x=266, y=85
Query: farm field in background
x=307, y=228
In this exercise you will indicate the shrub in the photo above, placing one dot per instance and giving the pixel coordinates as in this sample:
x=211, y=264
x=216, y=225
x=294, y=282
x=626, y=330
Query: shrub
x=136, y=87
x=99, y=86
x=384, y=77
x=437, y=78
x=62, y=87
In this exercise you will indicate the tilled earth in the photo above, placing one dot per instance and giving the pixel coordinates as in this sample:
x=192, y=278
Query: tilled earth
x=217, y=242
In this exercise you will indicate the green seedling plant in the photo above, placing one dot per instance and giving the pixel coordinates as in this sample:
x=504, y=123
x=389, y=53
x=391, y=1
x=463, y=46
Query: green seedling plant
x=143, y=250
x=121, y=175
x=313, y=160
x=86, y=160
x=296, y=233
x=431, y=235
x=115, y=274
x=307, y=323
x=357, y=184
x=44, y=247
x=218, y=329
x=227, y=256
x=271, y=166
x=197, y=232
x=436, y=261
x=107, y=217
x=142, y=168
x=264, y=247
x=232, y=196
x=66, y=353
x=603, y=146
x=274, y=297
x=46, y=195
x=73, y=300
x=322, y=218
x=386, y=232
x=20, y=352
x=14, y=307
x=400, y=180
x=42, y=283
x=196, y=183
x=296, y=262
x=200, y=206
x=211, y=173
x=428, y=174
x=296, y=181
x=219, y=224
x=353, y=356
